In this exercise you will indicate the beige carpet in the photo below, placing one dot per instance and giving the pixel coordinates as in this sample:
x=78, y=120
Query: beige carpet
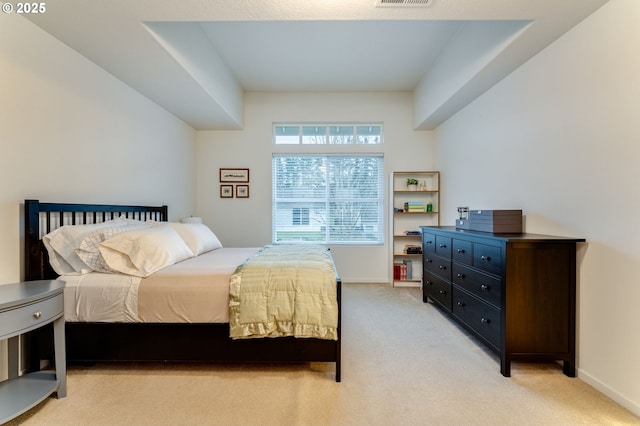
x=404, y=363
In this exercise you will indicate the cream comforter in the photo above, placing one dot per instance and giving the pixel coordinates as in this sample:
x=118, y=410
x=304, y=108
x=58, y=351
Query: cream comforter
x=285, y=290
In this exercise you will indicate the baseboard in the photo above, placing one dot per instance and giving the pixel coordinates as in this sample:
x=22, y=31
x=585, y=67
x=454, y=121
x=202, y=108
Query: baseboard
x=609, y=392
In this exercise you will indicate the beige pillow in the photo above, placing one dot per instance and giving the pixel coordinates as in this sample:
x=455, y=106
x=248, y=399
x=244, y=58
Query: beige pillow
x=89, y=250
x=61, y=245
x=145, y=251
x=198, y=237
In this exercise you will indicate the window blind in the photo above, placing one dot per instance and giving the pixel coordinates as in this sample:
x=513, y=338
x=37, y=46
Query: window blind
x=332, y=199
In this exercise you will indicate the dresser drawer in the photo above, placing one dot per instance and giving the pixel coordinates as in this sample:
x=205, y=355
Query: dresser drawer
x=437, y=289
x=428, y=243
x=486, y=287
x=461, y=251
x=437, y=265
x=487, y=258
x=443, y=246
x=13, y=321
x=480, y=316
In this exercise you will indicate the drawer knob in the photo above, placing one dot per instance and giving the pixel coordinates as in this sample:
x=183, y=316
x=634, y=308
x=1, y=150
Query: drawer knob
x=37, y=315
x=443, y=245
x=460, y=275
x=428, y=242
x=484, y=287
x=428, y=283
x=487, y=258
x=461, y=251
x=485, y=320
x=443, y=292
x=442, y=267
x=461, y=304
x=427, y=260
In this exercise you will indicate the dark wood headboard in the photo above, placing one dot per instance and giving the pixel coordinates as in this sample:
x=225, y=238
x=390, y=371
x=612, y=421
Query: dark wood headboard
x=42, y=218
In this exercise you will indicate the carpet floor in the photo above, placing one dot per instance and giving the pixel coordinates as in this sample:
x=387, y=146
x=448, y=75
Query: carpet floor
x=404, y=363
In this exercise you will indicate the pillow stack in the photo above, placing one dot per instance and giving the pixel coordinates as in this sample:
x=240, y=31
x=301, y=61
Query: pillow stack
x=126, y=246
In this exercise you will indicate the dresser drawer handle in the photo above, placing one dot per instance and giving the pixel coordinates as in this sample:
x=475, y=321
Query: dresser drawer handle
x=443, y=245
x=427, y=260
x=37, y=315
x=428, y=283
x=428, y=242
x=487, y=258
x=442, y=267
x=461, y=304
x=485, y=320
x=461, y=251
x=443, y=292
x=461, y=276
x=484, y=287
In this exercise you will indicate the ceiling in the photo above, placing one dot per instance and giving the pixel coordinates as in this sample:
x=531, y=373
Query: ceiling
x=197, y=58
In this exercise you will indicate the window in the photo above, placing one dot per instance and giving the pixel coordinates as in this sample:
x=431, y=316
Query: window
x=334, y=134
x=336, y=199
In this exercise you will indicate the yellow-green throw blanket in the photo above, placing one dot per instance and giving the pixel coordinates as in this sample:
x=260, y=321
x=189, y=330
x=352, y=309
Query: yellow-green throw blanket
x=285, y=290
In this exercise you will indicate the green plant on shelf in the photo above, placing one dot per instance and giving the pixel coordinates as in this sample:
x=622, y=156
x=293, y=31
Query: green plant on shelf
x=412, y=181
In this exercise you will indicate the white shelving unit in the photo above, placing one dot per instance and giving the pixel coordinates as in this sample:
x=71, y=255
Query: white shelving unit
x=405, y=225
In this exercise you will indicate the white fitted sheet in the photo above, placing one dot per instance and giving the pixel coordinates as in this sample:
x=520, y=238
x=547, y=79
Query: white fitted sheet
x=195, y=290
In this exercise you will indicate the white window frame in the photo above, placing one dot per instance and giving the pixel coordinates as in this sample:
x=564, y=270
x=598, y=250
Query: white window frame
x=372, y=233
x=328, y=133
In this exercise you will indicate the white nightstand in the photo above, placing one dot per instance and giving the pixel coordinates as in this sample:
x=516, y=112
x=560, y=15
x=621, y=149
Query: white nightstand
x=25, y=307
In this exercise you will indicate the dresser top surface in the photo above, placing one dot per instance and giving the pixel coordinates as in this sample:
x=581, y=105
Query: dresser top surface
x=503, y=237
x=12, y=295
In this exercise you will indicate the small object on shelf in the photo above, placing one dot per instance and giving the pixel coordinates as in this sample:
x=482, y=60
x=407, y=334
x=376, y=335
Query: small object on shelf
x=412, y=184
x=414, y=207
x=413, y=233
x=412, y=249
x=463, y=213
x=429, y=206
x=408, y=270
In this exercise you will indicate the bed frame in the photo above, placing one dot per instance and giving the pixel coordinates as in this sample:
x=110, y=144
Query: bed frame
x=93, y=342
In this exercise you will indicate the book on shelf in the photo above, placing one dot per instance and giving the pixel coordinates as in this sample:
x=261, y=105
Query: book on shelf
x=402, y=270
x=412, y=249
x=414, y=206
x=412, y=233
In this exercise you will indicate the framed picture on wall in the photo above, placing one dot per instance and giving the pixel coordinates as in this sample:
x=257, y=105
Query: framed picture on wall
x=242, y=191
x=226, y=191
x=234, y=175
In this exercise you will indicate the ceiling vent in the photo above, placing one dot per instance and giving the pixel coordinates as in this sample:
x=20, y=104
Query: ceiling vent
x=403, y=3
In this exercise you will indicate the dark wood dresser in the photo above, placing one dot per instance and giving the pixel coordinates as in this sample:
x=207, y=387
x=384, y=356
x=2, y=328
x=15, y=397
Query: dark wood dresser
x=514, y=292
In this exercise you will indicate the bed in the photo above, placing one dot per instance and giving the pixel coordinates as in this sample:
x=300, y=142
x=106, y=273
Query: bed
x=164, y=340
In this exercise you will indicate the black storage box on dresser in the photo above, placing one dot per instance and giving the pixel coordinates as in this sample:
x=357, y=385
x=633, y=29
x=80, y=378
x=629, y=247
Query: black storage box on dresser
x=515, y=292
x=495, y=221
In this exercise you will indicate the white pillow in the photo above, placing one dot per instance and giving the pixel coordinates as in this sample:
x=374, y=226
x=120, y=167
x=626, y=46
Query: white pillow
x=89, y=250
x=61, y=244
x=145, y=251
x=198, y=237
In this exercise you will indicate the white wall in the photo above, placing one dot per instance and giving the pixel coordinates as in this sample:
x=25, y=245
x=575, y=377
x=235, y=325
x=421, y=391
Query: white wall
x=70, y=132
x=247, y=222
x=560, y=139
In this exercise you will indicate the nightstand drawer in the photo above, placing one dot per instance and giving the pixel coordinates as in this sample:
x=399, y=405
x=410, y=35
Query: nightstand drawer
x=17, y=320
